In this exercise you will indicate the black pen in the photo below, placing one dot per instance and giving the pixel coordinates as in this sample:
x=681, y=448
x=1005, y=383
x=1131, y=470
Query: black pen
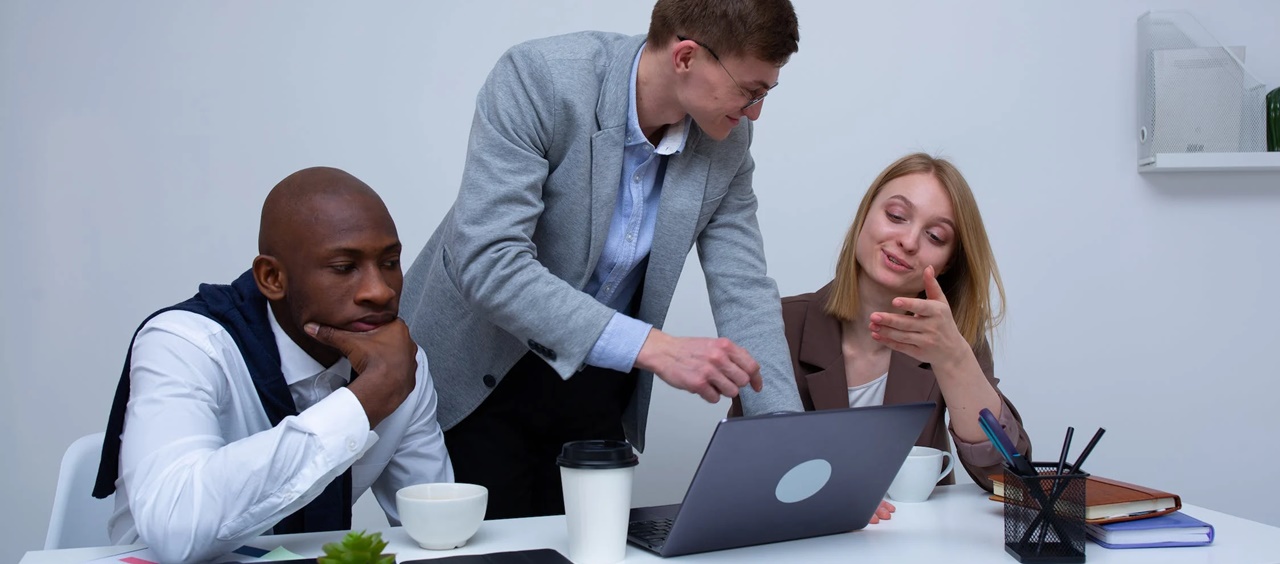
x=1087, y=449
x=1057, y=486
x=1066, y=445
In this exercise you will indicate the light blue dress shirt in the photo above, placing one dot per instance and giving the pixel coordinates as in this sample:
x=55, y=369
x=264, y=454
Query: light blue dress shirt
x=618, y=275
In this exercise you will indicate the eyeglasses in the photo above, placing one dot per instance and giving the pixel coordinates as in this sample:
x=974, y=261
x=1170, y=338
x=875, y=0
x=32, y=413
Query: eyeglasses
x=752, y=97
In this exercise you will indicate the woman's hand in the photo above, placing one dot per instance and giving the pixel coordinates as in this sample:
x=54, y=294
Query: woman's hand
x=931, y=336
x=928, y=336
x=884, y=512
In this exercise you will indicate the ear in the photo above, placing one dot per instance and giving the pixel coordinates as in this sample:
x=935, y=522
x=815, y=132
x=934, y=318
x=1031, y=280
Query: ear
x=270, y=276
x=682, y=55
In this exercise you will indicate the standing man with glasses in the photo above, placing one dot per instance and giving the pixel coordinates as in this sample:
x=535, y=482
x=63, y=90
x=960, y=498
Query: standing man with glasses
x=596, y=161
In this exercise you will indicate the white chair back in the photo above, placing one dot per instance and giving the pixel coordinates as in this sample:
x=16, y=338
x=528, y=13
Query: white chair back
x=78, y=518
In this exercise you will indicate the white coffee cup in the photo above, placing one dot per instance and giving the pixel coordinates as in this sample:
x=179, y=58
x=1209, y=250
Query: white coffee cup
x=919, y=474
x=442, y=516
x=596, y=476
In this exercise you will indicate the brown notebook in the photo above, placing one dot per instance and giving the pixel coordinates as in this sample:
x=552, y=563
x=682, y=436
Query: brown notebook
x=1112, y=501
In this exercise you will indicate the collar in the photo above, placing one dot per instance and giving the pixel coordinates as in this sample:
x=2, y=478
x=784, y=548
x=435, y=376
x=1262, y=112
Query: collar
x=820, y=343
x=909, y=379
x=295, y=363
x=674, y=136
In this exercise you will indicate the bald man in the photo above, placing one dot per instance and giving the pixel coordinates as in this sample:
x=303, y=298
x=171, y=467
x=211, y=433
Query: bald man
x=240, y=412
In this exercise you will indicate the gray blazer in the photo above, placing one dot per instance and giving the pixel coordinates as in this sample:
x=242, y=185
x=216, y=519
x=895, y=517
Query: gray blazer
x=503, y=273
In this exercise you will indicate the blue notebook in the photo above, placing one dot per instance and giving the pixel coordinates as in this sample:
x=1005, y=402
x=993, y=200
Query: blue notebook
x=1171, y=529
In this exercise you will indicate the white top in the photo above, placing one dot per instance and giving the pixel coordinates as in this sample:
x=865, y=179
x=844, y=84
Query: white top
x=201, y=468
x=958, y=525
x=871, y=393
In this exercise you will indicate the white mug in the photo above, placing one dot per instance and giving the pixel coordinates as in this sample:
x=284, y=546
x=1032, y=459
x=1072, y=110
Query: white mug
x=919, y=474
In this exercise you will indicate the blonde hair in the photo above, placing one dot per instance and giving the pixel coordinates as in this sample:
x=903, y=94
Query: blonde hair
x=967, y=279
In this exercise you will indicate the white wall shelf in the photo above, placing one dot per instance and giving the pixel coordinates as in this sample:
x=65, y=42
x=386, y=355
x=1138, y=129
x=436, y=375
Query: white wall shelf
x=1211, y=162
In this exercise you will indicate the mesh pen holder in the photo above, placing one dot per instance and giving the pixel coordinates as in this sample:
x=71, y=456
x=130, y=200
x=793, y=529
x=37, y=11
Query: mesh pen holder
x=1044, y=515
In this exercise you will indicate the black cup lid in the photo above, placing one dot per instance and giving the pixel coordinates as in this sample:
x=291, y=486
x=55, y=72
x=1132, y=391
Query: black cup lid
x=597, y=455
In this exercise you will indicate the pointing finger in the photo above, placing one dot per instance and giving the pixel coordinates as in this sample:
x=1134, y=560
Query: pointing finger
x=932, y=289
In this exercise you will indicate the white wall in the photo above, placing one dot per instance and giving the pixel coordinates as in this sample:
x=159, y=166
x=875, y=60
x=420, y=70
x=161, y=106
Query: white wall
x=138, y=139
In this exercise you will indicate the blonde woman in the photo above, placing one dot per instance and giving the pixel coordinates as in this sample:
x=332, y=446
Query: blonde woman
x=907, y=316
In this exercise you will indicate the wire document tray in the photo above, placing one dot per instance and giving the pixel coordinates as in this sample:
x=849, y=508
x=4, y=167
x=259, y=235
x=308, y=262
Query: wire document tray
x=1194, y=94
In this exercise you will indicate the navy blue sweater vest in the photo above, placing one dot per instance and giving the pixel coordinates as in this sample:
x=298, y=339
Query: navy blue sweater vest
x=242, y=310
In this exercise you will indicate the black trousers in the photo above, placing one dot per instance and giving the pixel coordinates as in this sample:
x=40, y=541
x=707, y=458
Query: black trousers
x=509, y=444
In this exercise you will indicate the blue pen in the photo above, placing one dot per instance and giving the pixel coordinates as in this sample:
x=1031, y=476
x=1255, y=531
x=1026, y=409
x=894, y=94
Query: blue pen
x=994, y=442
x=991, y=426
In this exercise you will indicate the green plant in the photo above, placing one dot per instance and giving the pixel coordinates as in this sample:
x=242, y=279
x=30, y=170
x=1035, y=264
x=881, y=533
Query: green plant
x=357, y=548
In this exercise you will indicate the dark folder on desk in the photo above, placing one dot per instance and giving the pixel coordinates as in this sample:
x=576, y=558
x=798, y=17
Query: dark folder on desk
x=773, y=478
x=1113, y=501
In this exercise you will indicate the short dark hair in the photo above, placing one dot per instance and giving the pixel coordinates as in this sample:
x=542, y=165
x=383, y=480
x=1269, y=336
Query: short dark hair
x=765, y=29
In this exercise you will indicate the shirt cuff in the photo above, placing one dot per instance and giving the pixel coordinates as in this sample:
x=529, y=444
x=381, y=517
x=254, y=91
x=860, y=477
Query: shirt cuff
x=339, y=422
x=983, y=453
x=619, y=344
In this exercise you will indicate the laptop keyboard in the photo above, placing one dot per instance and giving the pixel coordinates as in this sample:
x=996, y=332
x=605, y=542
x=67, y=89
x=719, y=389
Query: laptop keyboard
x=653, y=532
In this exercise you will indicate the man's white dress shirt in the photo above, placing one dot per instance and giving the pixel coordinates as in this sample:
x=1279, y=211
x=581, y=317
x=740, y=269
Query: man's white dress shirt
x=201, y=468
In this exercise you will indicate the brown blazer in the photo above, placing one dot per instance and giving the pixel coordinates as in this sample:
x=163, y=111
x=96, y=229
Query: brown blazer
x=814, y=340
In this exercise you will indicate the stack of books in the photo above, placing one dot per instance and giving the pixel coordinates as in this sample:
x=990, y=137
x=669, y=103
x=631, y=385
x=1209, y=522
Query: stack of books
x=1170, y=529
x=1123, y=515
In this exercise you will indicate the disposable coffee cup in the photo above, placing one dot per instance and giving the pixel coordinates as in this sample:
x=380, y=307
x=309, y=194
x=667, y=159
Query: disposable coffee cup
x=597, y=476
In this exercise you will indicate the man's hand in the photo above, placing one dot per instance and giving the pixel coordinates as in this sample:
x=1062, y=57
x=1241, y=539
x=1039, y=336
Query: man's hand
x=708, y=367
x=386, y=360
x=884, y=512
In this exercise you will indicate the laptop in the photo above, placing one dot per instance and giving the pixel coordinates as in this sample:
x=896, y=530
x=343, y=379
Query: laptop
x=786, y=476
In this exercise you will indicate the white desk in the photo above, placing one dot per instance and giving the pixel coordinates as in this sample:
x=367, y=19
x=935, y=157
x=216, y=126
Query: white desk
x=958, y=524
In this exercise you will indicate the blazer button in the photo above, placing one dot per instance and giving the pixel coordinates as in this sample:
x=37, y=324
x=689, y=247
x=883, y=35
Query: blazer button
x=490, y=381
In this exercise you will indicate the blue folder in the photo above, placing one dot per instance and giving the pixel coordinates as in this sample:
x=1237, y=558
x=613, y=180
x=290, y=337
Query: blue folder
x=1171, y=529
